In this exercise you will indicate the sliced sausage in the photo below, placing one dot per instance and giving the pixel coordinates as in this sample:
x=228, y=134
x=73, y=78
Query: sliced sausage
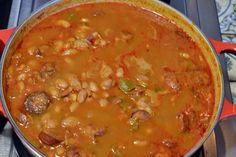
x=48, y=139
x=187, y=120
x=140, y=115
x=37, y=102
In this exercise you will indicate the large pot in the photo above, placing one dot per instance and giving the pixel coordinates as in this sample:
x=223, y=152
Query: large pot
x=222, y=108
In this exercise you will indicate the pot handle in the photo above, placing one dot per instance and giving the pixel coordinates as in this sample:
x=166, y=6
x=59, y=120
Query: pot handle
x=229, y=109
x=4, y=36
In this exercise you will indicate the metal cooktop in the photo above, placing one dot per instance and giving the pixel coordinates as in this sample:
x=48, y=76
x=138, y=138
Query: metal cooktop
x=202, y=12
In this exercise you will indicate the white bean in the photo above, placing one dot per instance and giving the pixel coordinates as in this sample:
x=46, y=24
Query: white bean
x=74, y=106
x=70, y=122
x=69, y=52
x=62, y=84
x=54, y=92
x=82, y=96
x=74, y=82
x=105, y=71
x=103, y=102
x=63, y=23
x=85, y=85
x=93, y=86
x=120, y=72
x=107, y=84
x=140, y=143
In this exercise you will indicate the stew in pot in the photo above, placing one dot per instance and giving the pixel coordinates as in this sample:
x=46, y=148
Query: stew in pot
x=109, y=80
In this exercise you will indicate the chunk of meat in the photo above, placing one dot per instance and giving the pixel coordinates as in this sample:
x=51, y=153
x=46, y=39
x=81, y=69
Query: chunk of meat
x=47, y=70
x=137, y=92
x=140, y=115
x=37, y=102
x=201, y=78
x=205, y=96
x=186, y=120
x=48, y=139
x=171, y=80
x=107, y=84
x=100, y=132
x=23, y=119
x=96, y=40
x=38, y=53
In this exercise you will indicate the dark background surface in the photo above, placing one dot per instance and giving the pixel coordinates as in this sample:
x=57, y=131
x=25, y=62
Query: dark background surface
x=5, y=6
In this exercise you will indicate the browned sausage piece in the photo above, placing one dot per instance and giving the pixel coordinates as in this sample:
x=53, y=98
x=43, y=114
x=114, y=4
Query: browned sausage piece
x=47, y=139
x=184, y=122
x=140, y=115
x=37, y=102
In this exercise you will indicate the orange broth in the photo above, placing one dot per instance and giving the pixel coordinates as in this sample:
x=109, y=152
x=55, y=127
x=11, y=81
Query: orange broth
x=119, y=81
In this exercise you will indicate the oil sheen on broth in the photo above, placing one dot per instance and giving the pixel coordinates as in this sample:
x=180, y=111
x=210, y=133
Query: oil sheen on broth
x=109, y=79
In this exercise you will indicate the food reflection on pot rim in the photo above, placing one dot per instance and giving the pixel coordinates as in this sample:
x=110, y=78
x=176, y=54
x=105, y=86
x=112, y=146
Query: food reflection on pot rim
x=110, y=81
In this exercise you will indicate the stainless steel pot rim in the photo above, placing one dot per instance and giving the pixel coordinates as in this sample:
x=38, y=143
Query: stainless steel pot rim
x=38, y=153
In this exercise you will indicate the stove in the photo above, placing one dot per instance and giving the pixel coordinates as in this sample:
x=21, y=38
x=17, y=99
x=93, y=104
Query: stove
x=202, y=12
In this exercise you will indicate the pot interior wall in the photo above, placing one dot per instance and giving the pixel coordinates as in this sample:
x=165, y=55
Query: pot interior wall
x=153, y=5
